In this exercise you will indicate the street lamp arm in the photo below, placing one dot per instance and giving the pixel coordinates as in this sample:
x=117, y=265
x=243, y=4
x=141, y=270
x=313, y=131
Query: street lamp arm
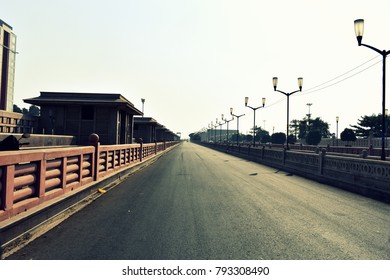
x=287, y=94
x=375, y=49
x=239, y=116
x=254, y=109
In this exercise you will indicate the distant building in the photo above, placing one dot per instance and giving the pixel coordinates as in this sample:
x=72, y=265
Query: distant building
x=111, y=116
x=150, y=131
x=7, y=69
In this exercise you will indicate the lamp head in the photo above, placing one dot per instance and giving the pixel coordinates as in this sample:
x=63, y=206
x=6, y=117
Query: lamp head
x=263, y=101
x=231, y=111
x=300, y=83
x=337, y=119
x=246, y=101
x=359, y=30
x=275, y=82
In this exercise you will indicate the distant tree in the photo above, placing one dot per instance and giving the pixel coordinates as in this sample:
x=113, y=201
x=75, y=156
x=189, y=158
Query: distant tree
x=16, y=109
x=194, y=136
x=292, y=139
x=248, y=138
x=266, y=138
x=278, y=138
x=34, y=110
x=369, y=123
x=348, y=135
x=307, y=125
x=313, y=137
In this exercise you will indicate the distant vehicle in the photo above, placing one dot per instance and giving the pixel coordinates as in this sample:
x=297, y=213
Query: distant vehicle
x=11, y=143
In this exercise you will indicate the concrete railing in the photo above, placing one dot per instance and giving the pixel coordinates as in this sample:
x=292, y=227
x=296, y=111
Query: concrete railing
x=360, y=175
x=29, y=178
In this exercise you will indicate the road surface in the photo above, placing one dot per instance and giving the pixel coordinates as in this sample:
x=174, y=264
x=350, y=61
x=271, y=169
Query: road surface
x=197, y=203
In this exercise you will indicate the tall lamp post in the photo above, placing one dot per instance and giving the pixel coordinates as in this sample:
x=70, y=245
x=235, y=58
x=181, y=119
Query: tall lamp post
x=238, y=121
x=337, y=130
x=215, y=130
x=254, y=116
x=275, y=83
x=227, y=128
x=359, y=29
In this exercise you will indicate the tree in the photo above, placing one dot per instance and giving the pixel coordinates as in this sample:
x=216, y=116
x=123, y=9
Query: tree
x=348, y=135
x=292, y=139
x=307, y=125
x=194, y=136
x=266, y=138
x=16, y=109
x=369, y=123
x=313, y=137
x=278, y=138
x=34, y=110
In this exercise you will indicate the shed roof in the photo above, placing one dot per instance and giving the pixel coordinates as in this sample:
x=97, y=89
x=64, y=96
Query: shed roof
x=64, y=98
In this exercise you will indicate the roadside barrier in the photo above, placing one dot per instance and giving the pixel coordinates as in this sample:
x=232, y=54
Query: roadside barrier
x=30, y=177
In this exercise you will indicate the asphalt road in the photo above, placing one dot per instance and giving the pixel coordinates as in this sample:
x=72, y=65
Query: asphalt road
x=196, y=203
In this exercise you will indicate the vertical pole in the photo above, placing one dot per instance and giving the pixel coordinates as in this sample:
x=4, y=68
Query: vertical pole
x=238, y=120
x=288, y=112
x=383, y=155
x=254, y=128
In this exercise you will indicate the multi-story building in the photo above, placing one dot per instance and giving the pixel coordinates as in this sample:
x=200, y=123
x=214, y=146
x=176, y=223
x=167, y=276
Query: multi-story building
x=7, y=66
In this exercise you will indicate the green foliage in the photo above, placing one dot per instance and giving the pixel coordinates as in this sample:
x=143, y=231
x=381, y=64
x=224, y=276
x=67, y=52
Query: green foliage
x=306, y=125
x=348, y=135
x=266, y=138
x=292, y=139
x=278, y=138
x=369, y=123
x=313, y=137
x=194, y=136
x=33, y=110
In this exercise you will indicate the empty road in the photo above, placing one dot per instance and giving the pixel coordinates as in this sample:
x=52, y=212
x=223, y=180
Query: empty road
x=197, y=203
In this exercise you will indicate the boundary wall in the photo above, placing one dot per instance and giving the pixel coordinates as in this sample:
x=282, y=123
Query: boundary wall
x=368, y=177
x=36, y=185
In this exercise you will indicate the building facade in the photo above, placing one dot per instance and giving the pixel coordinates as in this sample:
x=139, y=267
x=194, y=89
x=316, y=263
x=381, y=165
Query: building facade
x=111, y=116
x=7, y=68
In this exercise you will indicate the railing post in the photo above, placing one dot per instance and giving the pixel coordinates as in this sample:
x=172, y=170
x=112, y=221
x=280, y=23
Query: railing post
x=322, y=157
x=140, y=151
x=9, y=187
x=41, y=175
x=94, y=141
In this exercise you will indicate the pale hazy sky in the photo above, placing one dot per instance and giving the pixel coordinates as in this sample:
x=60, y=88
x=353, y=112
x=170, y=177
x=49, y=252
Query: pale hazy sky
x=194, y=59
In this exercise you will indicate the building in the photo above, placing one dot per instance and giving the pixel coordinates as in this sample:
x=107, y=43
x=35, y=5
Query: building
x=150, y=131
x=111, y=116
x=7, y=69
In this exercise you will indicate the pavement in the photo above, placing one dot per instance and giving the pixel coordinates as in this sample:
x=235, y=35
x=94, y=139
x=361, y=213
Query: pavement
x=197, y=203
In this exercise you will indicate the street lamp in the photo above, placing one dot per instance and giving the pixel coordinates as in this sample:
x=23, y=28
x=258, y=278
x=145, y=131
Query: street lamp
x=143, y=104
x=238, y=121
x=254, y=116
x=227, y=128
x=359, y=29
x=337, y=130
x=275, y=83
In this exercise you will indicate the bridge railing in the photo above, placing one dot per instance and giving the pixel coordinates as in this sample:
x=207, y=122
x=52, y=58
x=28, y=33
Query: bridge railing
x=366, y=176
x=29, y=178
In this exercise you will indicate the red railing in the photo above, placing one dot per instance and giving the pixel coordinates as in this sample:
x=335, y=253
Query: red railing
x=30, y=177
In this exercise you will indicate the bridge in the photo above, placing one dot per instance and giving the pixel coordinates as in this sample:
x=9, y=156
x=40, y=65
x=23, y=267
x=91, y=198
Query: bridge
x=190, y=201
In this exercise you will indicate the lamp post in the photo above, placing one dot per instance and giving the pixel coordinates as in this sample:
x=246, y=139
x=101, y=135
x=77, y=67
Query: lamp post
x=275, y=83
x=215, y=130
x=227, y=128
x=220, y=130
x=143, y=104
x=359, y=29
x=337, y=130
x=238, y=121
x=254, y=116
